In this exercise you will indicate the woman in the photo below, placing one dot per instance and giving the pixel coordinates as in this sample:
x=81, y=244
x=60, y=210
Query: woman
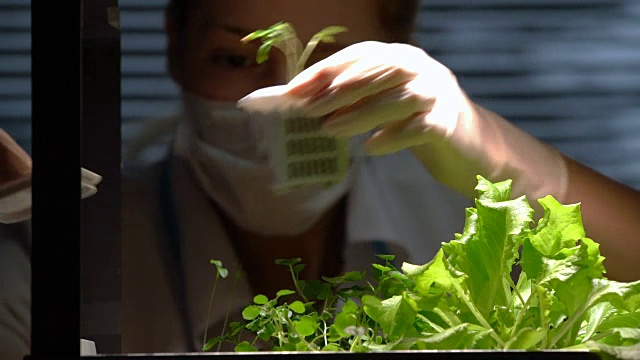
x=212, y=196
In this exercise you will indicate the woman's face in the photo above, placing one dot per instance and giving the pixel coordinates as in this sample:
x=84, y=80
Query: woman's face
x=216, y=65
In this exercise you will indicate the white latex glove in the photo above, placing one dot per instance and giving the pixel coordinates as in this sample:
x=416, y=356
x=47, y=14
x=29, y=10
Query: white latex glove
x=15, y=198
x=15, y=181
x=412, y=101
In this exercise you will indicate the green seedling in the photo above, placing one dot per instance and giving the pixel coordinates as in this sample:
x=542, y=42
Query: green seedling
x=221, y=272
x=283, y=36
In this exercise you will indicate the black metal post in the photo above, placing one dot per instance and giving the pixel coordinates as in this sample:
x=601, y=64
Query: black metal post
x=101, y=244
x=56, y=116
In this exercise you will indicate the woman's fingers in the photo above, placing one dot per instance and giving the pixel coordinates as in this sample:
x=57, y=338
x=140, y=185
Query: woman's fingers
x=323, y=73
x=375, y=111
x=397, y=136
x=341, y=67
x=354, y=89
x=434, y=125
x=310, y=82
x=14, y=161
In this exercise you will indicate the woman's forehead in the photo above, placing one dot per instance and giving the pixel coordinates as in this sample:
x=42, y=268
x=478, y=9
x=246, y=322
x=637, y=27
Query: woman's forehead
x=361, y=17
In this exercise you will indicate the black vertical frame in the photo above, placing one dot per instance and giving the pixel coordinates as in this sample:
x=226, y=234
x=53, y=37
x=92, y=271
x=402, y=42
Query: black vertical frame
x=101, y=235
x=56, y=138
x=76, y=123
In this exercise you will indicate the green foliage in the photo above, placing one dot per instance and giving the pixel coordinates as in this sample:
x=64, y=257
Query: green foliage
x=221, y=272
x=464, y=298
x=283, y=36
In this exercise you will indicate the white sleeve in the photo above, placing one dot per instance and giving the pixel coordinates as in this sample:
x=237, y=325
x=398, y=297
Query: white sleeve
x=15, y=292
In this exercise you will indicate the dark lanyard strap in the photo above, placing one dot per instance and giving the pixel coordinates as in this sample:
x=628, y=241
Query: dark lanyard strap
x=173, y=259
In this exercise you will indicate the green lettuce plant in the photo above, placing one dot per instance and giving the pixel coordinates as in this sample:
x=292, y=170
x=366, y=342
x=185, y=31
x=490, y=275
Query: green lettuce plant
x=464, y=298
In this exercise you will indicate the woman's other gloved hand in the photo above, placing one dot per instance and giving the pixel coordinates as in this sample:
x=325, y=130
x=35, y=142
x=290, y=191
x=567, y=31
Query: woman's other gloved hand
x=15, y=181
x=15, y=163
x=412, y=101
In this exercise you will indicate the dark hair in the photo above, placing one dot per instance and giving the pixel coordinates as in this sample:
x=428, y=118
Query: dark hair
x=397, y=16
x=178, y=11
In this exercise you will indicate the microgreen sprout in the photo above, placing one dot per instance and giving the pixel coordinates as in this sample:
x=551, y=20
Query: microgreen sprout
x=283, y=36
x=221, y=272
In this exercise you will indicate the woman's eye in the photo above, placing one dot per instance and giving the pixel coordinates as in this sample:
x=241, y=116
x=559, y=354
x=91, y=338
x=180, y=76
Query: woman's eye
x=234, y=61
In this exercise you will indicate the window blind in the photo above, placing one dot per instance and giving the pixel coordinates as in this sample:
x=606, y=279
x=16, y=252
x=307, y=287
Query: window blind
x=15, y=70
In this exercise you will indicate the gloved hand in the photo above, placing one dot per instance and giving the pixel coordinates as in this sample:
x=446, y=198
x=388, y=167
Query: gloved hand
x=15, y=181
x=412, y=101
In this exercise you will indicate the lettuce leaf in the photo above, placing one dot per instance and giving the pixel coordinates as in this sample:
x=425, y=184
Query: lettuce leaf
x=560, y=299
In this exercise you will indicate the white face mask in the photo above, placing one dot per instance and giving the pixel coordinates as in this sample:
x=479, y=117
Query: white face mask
x=227, y=151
